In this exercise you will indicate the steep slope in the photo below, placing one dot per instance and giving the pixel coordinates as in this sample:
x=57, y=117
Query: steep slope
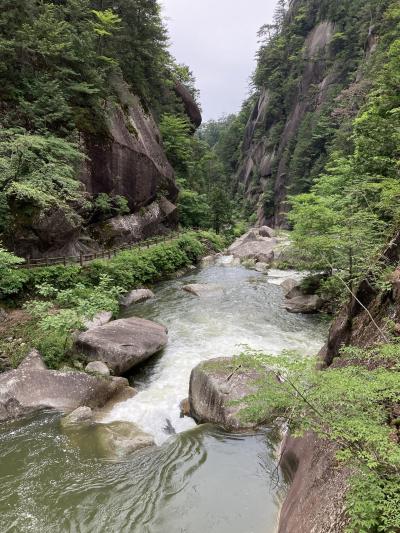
x=310, y=57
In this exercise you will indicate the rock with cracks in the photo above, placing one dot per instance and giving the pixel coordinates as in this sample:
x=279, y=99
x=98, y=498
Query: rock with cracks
x=122, y=344
x=214, y=385
x=32, y=387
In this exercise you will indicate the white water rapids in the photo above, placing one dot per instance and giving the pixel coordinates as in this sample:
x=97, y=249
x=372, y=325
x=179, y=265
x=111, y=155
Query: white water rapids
x=250, y=312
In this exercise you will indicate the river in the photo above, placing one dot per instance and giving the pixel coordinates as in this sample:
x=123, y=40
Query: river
x=199, y=480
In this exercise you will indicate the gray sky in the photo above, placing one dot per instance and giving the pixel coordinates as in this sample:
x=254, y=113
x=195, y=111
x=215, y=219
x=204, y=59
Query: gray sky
x=218, y=40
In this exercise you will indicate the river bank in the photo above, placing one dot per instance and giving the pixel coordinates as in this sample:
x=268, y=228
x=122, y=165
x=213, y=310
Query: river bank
x=248, y=311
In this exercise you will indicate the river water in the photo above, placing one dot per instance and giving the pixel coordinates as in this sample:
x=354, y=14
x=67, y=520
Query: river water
x=199, y=480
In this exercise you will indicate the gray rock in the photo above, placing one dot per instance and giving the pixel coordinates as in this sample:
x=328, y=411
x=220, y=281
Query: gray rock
x=122, y=344
x=98, y=320
x=252, y=246
x=289, y=284
x=136, y=296
x=305, y=304
x=202, y=291
x=266, y=231
x=121, y=438
x=214, y=385
x=32, y=387
x=97, y=367
x=82, y=415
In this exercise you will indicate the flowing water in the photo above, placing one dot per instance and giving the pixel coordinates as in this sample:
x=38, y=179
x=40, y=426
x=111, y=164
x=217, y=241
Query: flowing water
x=201, y=479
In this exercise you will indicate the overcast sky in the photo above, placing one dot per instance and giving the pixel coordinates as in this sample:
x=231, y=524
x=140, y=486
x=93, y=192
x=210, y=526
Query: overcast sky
x=218, y=40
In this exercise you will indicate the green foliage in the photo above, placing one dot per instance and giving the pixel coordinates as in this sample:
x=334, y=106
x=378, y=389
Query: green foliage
x=352, y=210
x=194, y=209
x=176, y=133
x=364, y=392
x=11, y=279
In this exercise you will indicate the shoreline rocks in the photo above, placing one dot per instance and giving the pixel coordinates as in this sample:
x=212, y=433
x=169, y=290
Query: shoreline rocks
x=122, y=344
x=136, y=296
x=32, y=387
x=254, y=246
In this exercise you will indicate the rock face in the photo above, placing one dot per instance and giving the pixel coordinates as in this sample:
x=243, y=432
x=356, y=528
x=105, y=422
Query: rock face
x=315, y=500
x=131, y=152
x=33, y=387
x=252, y=246
x=203, y=290
x=125, y=158
x=213, y=386
x=354, y=325
x=274, y=137
x=122, y=344
x=191, y=108
x=82, y=415
x=157, y=218
x=136, y=296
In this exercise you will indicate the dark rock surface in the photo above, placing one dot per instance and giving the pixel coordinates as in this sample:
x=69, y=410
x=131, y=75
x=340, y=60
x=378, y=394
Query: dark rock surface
x=252, y=246
x=213, y=386
x=363, y=321
x=33, y=387
x=122, y=344
x=191, y=108
x=315, y=499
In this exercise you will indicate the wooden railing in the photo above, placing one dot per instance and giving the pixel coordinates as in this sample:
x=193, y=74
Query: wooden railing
x=83, y=259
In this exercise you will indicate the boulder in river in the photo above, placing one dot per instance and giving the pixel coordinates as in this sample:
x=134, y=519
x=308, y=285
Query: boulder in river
x=122, y=344
x=136, y=296
x=82, y=415
x=306, y=304
x=214, y=385
x=121, y=438
x=255, y=247
x=203, y=290
x=32, y=387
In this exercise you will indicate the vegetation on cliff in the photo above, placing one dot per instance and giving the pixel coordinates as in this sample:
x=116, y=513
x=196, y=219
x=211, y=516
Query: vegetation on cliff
x=354, y=404
x=61, y=64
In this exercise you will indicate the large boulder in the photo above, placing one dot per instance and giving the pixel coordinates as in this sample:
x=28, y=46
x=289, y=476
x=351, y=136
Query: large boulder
x=154, y=219
x=136, y=296
x=203, y=290
x=214, y=385
x=305, y=304
x=122, y=344
x=253, y=246
x=32, y=387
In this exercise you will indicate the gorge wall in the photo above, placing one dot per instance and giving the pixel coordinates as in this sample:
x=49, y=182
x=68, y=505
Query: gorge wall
x=309, y=75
